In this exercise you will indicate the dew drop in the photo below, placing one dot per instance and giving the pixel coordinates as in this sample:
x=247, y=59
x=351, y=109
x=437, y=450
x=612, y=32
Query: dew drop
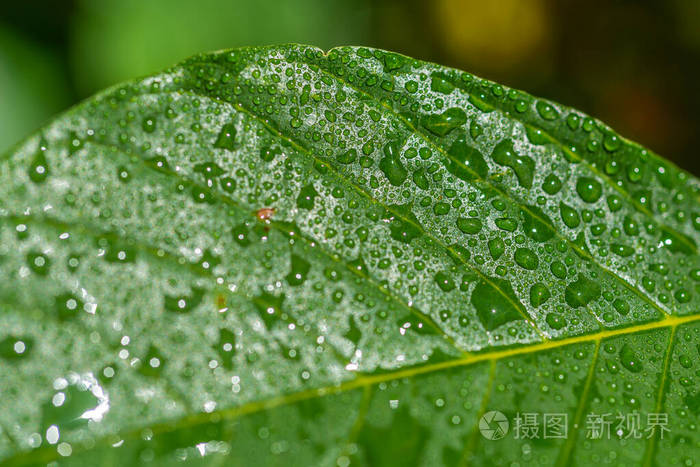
x=551, y=184
x=581, y=292
x=467, y=162
x=589, y=189
x=526, y=259
x=469, y=225
x=226, y=138
x=629, y=359
x=442, y=124
x=299, y=271
x=496, y=303
x=569, y=216
x=523, y=166
x=391, y=165
x=306, y=197
x=555, y=321
x=539, y=294
x=39, y=168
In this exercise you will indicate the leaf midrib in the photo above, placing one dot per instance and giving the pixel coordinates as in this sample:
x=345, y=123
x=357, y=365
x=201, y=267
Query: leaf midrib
x=377, y=102
x=362, y=381
x=249, y=211
x=575, y=156
x=507, y=195
x=301, y=148
x=672, y=321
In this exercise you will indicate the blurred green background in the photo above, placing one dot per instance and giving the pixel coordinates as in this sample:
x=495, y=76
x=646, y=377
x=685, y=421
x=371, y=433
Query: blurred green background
x=632, y=63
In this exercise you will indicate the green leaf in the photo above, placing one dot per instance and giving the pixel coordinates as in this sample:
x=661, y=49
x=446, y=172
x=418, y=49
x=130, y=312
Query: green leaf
x=283, y=256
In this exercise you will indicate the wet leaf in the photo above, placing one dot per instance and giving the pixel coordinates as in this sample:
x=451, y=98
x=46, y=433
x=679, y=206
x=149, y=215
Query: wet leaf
x=279, y=256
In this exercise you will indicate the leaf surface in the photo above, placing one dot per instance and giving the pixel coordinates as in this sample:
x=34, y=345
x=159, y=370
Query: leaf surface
x=285, y=256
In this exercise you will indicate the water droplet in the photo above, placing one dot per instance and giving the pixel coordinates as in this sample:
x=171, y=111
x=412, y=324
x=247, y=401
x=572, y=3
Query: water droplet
x=685, y=361
x=537, y=225
x=39, y=263
x=421, y=179
x=153, y=362
x=506, y=223
x=68, y=306
x=630, y=226
x=629, y=359
x=226, y=347
x=468, y=162
x=438, y=84
x=526, y=258
x=347, y=157
x=405, y=226
x=267, y=154
x=546, y=110
x=569, y=216
x=582, y=291
x=442, y=124
x=299, y=271
x=555, y=321
x=677, y=242
x=469, y=225
x=441, y=209
x=183, y=303
x=496, y=303
x=611, y=143
x=149, y=124
x=589, y=189
x=269, y=308
x=392, y=61
x=614, y=203
x=558, y=269
x=621, y=306
x=227, y=137
x=227, y=184
x=539, y=294
x=241, y=234
x=524, y=167
x=682, y=295
x=444, y=281
x=306, y=197
x=551, y=184
x=391, y=165
x=621, y=250
x=39, y=168
x=14, y=347
x=496, y=247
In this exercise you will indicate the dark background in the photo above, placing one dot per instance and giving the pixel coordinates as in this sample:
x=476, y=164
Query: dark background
x=632, y=63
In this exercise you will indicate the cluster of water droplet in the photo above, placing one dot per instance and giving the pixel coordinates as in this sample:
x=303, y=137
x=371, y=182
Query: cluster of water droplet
x=306, y=214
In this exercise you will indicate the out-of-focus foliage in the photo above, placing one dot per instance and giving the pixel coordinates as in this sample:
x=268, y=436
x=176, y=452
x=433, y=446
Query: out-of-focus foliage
x=30, y=87
x=114, y=41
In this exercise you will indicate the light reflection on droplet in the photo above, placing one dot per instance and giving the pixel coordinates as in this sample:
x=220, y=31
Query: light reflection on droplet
x=34, y=440
x=52, y=434
x=58, y=399
x=209, y=406
x=19, y=347
x=64, y=449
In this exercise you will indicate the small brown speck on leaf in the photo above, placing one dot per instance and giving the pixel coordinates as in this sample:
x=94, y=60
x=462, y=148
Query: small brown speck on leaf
x=265, y=214
x=220, y=302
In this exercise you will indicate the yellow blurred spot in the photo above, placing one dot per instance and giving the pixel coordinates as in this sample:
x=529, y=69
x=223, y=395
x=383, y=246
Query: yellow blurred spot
x=495, y=34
